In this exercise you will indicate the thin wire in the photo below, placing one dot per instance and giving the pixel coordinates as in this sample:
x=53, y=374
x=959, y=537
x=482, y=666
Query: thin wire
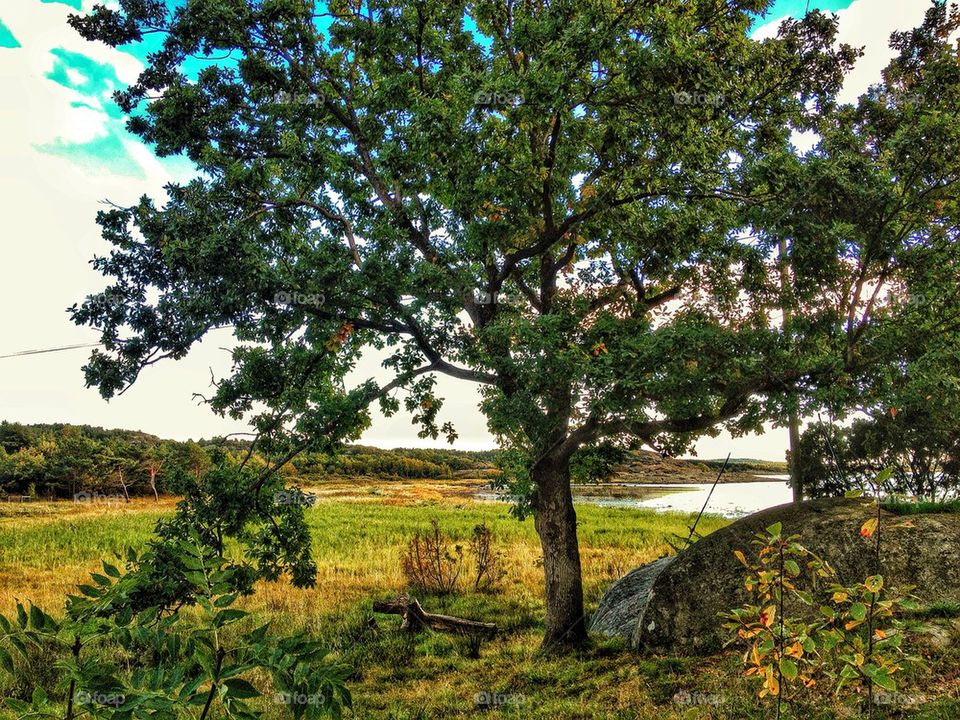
x=48, y=350
x=706, y=502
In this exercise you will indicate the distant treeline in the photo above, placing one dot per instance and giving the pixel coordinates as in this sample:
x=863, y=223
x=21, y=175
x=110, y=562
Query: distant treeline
x=59, y=460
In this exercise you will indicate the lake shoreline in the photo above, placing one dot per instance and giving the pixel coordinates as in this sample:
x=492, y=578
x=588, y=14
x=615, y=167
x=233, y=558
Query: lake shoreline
x=736, y=476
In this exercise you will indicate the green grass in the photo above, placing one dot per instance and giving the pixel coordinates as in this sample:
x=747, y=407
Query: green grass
x=905, y=507
x=937, y=610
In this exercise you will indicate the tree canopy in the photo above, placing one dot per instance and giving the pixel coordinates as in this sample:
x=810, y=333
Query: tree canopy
x=593, y=210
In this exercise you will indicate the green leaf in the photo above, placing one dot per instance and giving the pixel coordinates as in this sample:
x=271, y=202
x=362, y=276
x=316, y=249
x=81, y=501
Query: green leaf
x=874, y=583
x=240, y=688
x=858, y=611
x=191, y=687
x=849, y=672
x=882, y=678
x=788, y=668
x=228, y=616
x=21, y=616
x=775, y=530
x=37, y=621
x=90, y=591
x=853, y=493
x=18, y=644
x=883, y=476
x=17, y=705
x=6, y=661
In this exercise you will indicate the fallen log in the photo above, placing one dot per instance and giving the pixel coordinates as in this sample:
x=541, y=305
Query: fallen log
x=415, y=618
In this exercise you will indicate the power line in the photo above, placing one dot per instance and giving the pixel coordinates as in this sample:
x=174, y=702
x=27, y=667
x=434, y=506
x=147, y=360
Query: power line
x=48, y=350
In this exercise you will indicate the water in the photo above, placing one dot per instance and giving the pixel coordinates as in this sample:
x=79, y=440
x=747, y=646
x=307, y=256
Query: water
x=732, y=500
x=729, y=499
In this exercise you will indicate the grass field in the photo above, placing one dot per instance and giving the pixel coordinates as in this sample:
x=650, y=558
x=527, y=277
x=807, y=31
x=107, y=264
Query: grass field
x=359, y=533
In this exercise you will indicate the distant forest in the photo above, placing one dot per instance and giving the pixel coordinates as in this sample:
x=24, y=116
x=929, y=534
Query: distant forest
x=82, y=461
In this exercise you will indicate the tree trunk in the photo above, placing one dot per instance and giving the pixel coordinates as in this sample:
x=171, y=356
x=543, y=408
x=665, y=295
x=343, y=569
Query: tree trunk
x=794, y=419
x=123, y=484
x=556, y=524
x=796, y=482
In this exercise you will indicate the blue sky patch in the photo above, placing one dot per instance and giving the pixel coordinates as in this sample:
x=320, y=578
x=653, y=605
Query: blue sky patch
x=108, y=151
x=88, y=77
x=796, y=8
x=7, y=40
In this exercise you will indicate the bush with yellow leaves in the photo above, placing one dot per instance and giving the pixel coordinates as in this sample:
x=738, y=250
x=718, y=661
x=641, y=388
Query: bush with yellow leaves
x=854, y=642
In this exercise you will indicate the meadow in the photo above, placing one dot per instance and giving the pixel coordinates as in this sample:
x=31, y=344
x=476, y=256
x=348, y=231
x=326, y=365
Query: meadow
x=360, y=530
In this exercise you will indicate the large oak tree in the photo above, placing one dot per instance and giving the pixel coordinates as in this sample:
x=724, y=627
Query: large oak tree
x=569, y=203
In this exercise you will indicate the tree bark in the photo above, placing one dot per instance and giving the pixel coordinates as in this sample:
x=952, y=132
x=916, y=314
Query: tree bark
x=556, y=524
x=796, y=482
x=793, y=424
x=153, y=484
x=123, y=484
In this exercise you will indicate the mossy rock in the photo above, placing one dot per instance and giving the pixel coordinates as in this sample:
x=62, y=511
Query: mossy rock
x=673, y=606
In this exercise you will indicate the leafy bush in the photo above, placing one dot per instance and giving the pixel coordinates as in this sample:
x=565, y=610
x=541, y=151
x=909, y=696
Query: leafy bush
x=435, y=562
x=127, y=649
x=854, y=642
x=922, y=449
x=202, y=661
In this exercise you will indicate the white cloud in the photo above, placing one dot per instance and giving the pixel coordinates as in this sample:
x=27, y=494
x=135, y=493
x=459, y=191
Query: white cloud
x=47, y=209
x=37, y=110
x=866, y=24
x=76, y=77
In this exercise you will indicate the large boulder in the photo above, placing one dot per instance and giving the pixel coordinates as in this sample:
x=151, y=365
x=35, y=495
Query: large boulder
x=673, y=605
x=623, y=603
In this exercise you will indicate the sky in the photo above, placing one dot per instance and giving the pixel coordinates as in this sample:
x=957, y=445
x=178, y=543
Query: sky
x=64, y=151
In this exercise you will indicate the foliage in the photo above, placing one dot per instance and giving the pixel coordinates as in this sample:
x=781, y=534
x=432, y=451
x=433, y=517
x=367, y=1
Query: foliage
x=921, y=445
x=855, y=641
x=873, y=654
x=83, y=461
x=593, y=464
x=62, y=460
x=782, y=650
x=198, y=661
x=196, y=658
